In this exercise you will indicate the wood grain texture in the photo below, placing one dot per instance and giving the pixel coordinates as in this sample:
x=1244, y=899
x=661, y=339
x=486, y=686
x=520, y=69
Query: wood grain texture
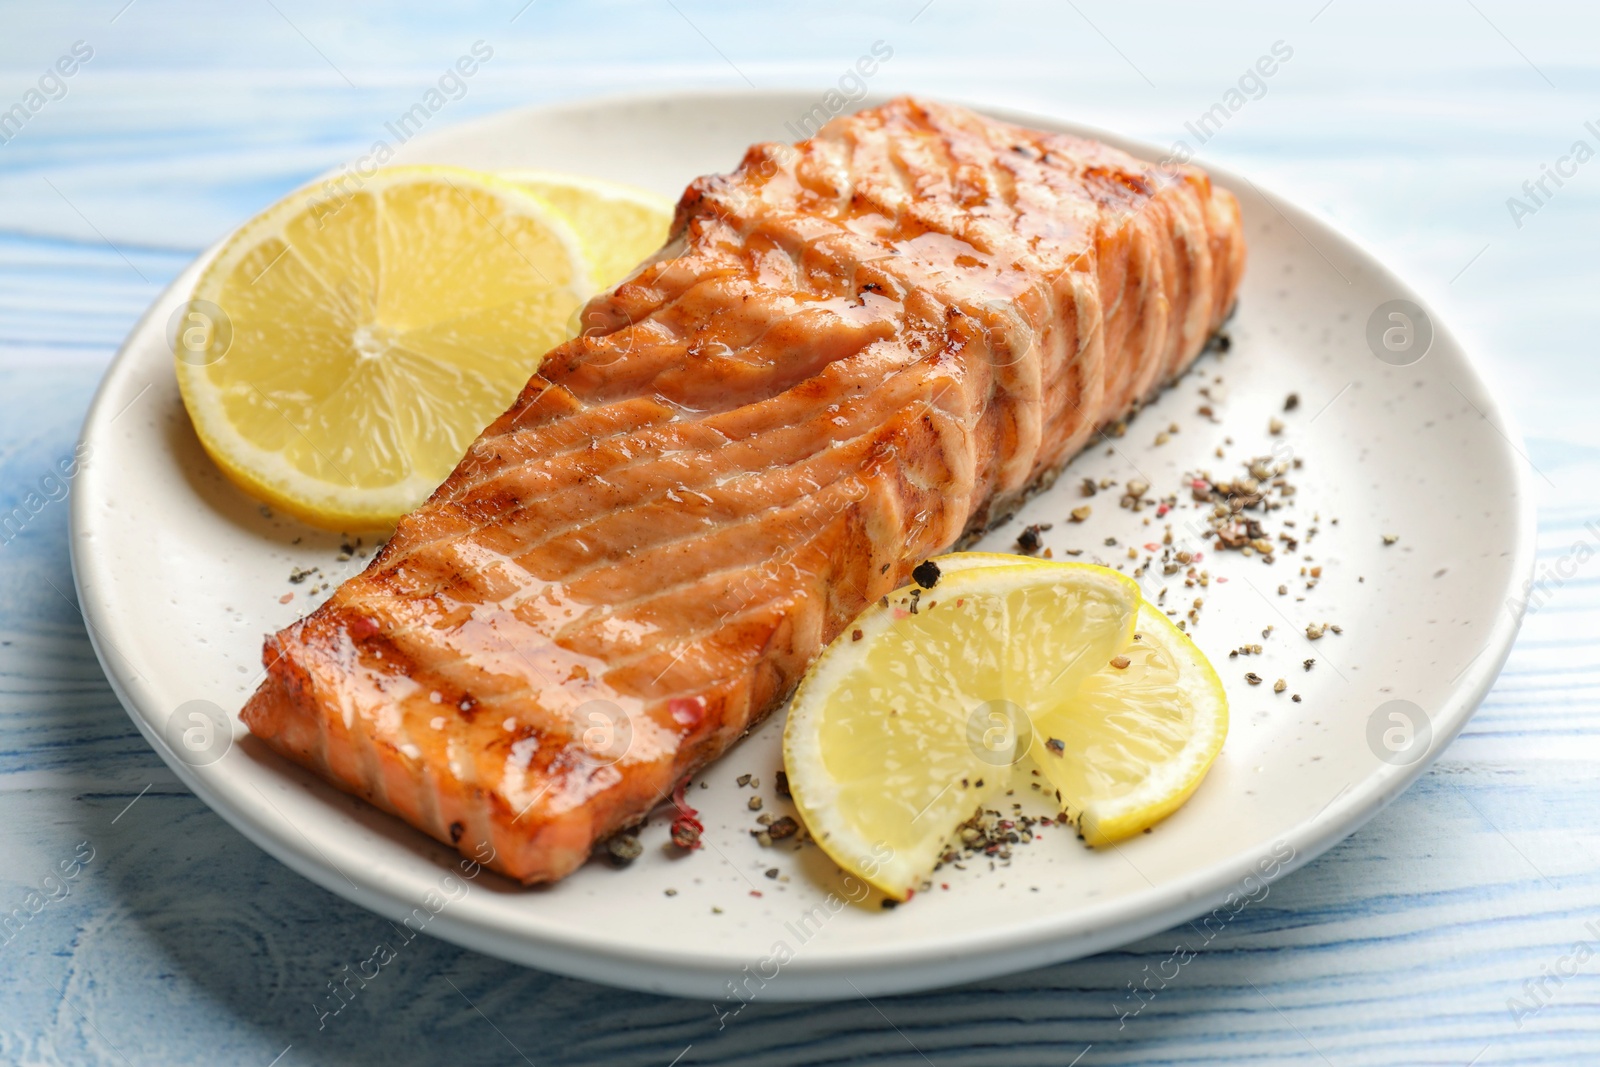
x=179, y=941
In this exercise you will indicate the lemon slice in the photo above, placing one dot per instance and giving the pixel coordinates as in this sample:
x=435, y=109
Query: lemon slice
x=1135, y=741
x=619, y=225
x=344, y=348
x=917, y=713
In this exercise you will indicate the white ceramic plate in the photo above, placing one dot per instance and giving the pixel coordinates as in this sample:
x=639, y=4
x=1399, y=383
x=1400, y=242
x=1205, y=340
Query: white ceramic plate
x=180, y=575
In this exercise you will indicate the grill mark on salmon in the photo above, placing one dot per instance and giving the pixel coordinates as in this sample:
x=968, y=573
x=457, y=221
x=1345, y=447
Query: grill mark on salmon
x=850, y=355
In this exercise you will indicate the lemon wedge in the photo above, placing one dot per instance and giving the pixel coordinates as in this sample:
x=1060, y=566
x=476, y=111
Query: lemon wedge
x=344, y=348
x=1137, y=737
x=918, y=712
x=619, y=225
x=1134, y=742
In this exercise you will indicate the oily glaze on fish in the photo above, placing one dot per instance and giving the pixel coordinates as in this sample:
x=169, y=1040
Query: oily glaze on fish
x=850, y=355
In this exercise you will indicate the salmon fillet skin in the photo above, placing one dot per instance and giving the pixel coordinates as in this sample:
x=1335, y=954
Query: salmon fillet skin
x=852, y=354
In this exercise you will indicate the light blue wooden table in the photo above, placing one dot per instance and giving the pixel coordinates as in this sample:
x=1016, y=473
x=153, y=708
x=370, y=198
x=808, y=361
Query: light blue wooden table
x=1455, y=928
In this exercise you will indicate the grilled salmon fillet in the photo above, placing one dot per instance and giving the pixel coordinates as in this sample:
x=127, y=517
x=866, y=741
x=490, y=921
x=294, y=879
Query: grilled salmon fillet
x=852, y=354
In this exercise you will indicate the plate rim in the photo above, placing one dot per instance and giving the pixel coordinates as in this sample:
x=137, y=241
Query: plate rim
x=911, y=965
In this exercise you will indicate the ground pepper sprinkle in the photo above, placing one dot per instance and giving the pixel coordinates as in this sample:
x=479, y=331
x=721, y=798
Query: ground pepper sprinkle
x=624, y=848
x=1028, y=541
